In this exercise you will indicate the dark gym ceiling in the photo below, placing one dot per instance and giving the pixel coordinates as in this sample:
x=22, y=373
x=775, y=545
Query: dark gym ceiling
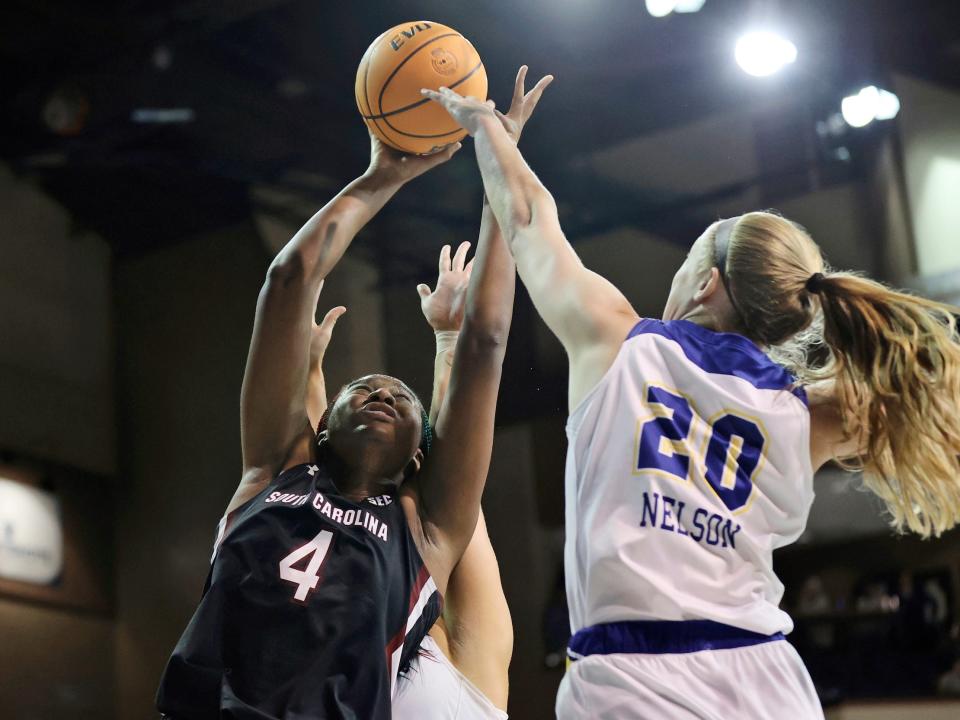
x=268, y=85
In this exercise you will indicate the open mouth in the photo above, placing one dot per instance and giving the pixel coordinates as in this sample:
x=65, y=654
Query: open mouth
x=379, y=410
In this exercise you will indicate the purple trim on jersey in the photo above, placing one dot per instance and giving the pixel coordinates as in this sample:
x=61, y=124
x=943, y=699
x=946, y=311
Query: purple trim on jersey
x=661, y=636
x=723, y=354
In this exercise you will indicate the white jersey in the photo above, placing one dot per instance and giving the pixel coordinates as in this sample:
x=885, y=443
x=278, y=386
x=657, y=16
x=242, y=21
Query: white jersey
x=688, y=464
x=434, y=689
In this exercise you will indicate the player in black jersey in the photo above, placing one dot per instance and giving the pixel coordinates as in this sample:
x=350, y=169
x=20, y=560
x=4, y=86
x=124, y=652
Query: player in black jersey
x=326, y=572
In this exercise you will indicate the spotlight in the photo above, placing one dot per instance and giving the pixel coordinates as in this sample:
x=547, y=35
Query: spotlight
x=889, y=106
x=861, y=109
x=869, y=104
x=689, y=6
x=763, y=53
x=661, y=8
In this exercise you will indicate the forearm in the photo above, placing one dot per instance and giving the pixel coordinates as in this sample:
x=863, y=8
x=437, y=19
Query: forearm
x=465, y=424
x=442, y=364
x=316, y=395
x=276, y=377
x=320, y=243
x=511, y=187
x=489, y=307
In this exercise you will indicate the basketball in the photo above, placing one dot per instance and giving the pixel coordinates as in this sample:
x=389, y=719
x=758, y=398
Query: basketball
x=400, y=62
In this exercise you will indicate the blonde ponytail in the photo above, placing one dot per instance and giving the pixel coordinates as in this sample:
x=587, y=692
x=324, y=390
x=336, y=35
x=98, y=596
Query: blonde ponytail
x=894, y=359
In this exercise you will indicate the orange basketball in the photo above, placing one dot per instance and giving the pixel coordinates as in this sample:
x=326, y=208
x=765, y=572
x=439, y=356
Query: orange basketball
x=397, y=65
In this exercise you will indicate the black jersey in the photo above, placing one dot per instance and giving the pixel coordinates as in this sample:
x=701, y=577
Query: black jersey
x=312, y=606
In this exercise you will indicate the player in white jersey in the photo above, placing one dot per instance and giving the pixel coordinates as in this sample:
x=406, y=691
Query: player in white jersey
x=692, y=452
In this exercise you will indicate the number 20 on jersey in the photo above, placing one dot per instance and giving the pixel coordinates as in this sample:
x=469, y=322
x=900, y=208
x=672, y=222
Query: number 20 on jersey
x=727, y=462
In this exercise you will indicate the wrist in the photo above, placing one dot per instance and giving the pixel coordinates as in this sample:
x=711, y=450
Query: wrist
x=488, y=123
x=446, y=340
x=378, y=178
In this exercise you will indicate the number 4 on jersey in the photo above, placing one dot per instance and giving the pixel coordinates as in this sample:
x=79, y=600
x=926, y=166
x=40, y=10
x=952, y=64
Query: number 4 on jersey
x=306, y=579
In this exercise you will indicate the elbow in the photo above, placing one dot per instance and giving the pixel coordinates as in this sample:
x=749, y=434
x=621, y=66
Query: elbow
x=521, y=215
x=287, y=269
x=530, y=207
x=484, y=334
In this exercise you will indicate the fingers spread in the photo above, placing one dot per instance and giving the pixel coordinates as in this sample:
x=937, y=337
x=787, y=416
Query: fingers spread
x=518, y=85
x=445, y=259
x=540, y=86
x=533, y=97
x=461, y=256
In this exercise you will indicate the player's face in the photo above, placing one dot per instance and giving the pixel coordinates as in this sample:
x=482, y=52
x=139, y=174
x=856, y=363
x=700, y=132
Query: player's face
x=380, y=409
x=689, y=278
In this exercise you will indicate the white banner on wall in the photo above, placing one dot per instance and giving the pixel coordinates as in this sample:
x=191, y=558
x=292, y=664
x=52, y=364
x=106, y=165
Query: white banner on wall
x=31, y=534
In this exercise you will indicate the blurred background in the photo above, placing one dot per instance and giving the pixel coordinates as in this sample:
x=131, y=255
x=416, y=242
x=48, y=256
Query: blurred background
x=155, y=156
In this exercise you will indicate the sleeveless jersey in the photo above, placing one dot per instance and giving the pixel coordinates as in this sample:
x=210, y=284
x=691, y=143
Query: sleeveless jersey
x=688, y=464
x=312, y=605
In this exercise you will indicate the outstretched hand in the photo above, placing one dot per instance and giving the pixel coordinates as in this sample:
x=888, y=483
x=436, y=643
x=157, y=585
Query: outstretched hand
x=321, y=334
x=523, y=103
x=394, y=166
x=468, y=112
x=444, y=307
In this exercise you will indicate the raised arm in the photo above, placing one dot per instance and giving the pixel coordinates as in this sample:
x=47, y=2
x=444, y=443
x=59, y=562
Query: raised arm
x=275, y=430
x=477, y=618
x=477, y=625
x=443, y=309
x=449, y=488
x=585, y=311
x=321, y=335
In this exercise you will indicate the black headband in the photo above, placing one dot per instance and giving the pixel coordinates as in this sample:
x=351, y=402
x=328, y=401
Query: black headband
x=721, y=244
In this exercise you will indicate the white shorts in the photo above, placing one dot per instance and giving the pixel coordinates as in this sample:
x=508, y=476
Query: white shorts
x=767, y=681
x=434, y=689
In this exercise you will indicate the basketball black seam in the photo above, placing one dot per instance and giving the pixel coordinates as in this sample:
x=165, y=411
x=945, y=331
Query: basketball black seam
x=437, y=135
x=418, y=103
x=366, y=96
x=383, y=88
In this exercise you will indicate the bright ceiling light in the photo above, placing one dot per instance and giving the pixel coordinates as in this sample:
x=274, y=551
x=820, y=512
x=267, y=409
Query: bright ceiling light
x=689, y=6
x=888, y=106
x=861, y=109
x=763, y=53
x=661, y=8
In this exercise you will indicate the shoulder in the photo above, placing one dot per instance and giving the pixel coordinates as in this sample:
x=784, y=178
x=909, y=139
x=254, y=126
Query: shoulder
x=829, y=437
x=590, y=362
x=723, y=353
